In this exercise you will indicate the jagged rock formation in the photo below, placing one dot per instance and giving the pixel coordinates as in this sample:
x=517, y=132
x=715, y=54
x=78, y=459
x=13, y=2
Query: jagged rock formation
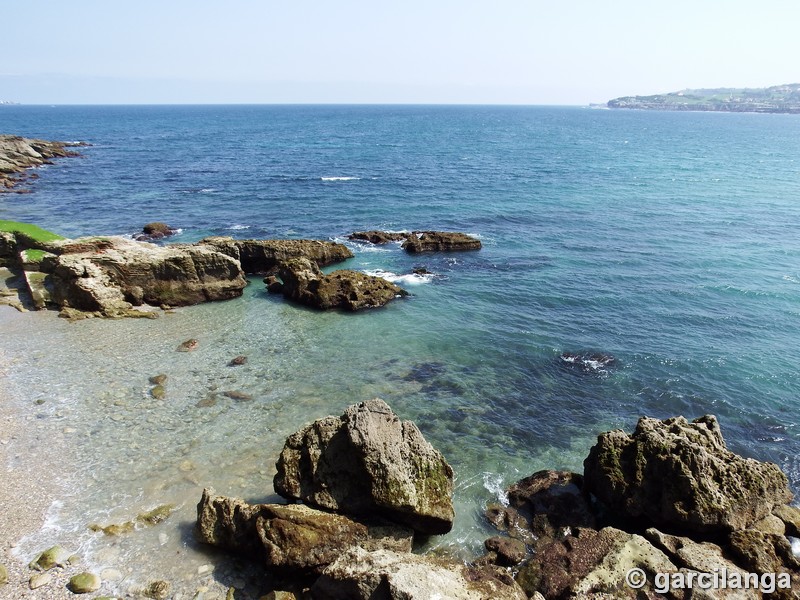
x=18, y=154
x=564, y=520
x=374, y=471
x=681, y=475
x=378, y=237
x=368, y=461
x=266, y=256
x=303, y=282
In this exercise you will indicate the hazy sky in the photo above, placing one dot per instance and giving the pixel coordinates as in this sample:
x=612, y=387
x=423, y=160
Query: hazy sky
x=499, y=51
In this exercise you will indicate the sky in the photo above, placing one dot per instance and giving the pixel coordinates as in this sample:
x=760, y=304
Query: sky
x=572, y=52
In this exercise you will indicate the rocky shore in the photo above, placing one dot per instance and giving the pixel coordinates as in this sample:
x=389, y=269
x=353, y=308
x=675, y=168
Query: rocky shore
x=19, y=154
x=667, y=505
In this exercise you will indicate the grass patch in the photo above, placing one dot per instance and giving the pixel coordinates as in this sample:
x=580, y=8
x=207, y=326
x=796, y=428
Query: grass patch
x=32, y=231
x=35, y=256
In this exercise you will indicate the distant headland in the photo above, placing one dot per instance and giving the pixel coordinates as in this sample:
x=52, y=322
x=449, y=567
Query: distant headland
x=775, y=99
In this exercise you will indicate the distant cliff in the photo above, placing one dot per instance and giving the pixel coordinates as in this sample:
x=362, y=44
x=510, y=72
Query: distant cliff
x=775, y=99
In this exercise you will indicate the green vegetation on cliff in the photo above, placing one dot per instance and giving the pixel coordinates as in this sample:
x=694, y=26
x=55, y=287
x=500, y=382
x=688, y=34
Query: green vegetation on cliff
x=775, y=99
x=33, y=232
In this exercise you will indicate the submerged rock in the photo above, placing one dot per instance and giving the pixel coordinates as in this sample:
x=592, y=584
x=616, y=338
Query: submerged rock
x=57, y=556
x=188, y=345
x=303, y=282
x=237, y=361
x=438, y=241
x=369, y=462
x=679, y=474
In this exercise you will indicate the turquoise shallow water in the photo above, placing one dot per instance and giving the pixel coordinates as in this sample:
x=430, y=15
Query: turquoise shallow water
x=667, y=241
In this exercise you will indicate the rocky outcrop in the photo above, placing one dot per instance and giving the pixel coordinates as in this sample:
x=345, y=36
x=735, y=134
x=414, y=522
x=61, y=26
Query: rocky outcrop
x=437, y=241
x=369, y=462
x=387, y=575
x=265, y=256
x=291, y=538
x=303, y=282
x=378, y=237
x=18, y=154
x=574, y=552
x=681, y=475
x=421, y=241
x=112, y=278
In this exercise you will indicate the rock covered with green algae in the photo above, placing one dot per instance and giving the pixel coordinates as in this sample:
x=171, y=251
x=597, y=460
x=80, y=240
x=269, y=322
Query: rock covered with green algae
x=84, y=583
x=56, y=556
x=680, y=474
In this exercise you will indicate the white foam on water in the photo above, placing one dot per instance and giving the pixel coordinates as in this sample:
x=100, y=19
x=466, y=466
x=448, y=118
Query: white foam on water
x=238, y=227
x=493, y=483
x=340, y=178
x=410, y=279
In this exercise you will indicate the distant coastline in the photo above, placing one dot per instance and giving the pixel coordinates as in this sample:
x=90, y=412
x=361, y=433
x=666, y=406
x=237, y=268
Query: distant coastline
x=776, y=99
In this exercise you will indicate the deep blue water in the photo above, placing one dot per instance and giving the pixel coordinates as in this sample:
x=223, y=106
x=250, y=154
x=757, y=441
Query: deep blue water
x=666, y=240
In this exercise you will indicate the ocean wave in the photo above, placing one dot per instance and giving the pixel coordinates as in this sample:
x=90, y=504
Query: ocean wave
x=237, y=227
x=340, y=178
x=410, y=279
x=200, y=191
x=494, y=485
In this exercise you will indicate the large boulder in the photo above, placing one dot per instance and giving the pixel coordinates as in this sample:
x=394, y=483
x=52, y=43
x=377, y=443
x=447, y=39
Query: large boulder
x=303, y=282
x=435, y=241
x=264, y=256
x=386, y=575
x=369, y=462
x=290, y=538
x=680, y=475
x=111, y=277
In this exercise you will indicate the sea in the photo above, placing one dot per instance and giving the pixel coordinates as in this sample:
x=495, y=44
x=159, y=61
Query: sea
x=633, y=263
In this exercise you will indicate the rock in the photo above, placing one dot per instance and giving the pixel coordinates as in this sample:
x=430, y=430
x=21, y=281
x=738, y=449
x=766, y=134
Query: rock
x=677, y=474
x=436, y=241
x=378, y=237
x=760, y=552
x=158, y=379
x=236, y=395
x=555, y=501
x=790, y=515
x=770, y=524
x=387, y=575
x=115, y=529
x=188, y=345
x=510, y=520
x=40, y=580
x=276, y=595
x=157, y=590
x=112, y=275
x=703, y=557
x=589, y=562
x=291, y=538
x=56, y=556
x=369, y=462
x=264, y=256
x=303, y=282
x=17, y=154
x=84, y=583
x=155, y=231
x=509, y=551
x=237, y=361
x=274, y=285
x=159, y=392
x=155, y=516
x=3, y=574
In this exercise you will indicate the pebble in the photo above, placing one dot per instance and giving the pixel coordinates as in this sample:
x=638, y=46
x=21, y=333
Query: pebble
x=163, y=538
x=3, y=574
x=40, y=580
x=84, y=583
x=203, y=569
